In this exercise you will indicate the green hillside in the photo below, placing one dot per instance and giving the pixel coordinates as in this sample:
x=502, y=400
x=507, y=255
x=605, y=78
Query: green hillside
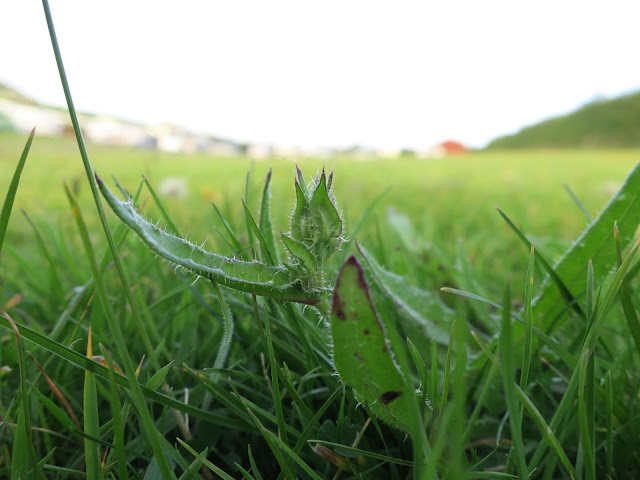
x=611, y=123
x=14, y=95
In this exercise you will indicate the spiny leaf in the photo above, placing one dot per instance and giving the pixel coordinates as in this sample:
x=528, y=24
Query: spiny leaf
x=300, y=228
x=303, y=184
x=300, y=252
x=325, y=216
x=424, y=316
x=265, y=280
x=361, y=354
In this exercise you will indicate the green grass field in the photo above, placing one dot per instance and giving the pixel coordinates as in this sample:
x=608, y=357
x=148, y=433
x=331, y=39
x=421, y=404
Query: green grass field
x=544, y=408
x=446, y=200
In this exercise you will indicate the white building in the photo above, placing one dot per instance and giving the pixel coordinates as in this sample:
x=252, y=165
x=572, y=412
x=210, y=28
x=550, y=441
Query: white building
x=24, y=117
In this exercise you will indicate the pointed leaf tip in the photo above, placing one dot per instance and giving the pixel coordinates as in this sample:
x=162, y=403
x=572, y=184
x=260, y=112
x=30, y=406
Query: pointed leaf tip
x=98, y=179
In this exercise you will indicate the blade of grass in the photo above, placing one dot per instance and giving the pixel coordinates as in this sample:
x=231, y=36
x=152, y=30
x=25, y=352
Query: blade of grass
x=588, y=344
x=457, y=454
x=545, y=429
x=245, y=473
x=304, y=436
x=436, y=401
x=609, y=422
x=227, y=337
x=91, y=422
x=344, y=253
x=568, y=297
x=267, y=256
x=247, y=183
x=275, y=383
x=254, y=467
x=265, y=219
x=21, y=448
x=282, y=461
x=202, y=457
x=287, y=382
x=439, y=444
x=192, y=470
x=578, y=203
x=56, y=284
x=293, y=455
x=7, y=206
x=628, y=308
x=360, y=452
x=528, y=322
x=57, y=413
x=604, y=307
x=83, y=362
x=515, y=418
x=594, y=243
x=423, y=374
x=22, y=456
x=447, y=368
x=479, y=403
x=145, y=416
x=118, y=422
x=221, y=395
x=585, y=420
x=590, y=290
x=546, y=339
x=234, y=240
x=160, y=206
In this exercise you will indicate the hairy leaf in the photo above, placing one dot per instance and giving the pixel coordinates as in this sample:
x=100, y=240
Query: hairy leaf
x=361, y=354
x=265, y=280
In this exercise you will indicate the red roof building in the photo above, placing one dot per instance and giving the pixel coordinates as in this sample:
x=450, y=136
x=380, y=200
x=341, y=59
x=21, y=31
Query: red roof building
x=451, y=147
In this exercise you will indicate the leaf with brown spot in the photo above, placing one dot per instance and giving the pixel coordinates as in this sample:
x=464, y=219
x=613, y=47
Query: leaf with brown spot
x=361, y=355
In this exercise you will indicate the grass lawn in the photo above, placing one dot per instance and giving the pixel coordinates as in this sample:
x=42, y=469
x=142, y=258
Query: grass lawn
x=446, y=200
x=248, y=384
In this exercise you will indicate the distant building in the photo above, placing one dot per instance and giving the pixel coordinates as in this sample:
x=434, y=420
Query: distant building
x=451, y=147
x=260, y=151
x=441, y=150
x=221, y=149
x=389, y=153
x=102, y=129
x=173, y=139
x=24, y=117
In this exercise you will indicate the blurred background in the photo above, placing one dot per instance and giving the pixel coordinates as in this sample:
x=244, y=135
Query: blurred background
x=293, y=78
x=451, y=108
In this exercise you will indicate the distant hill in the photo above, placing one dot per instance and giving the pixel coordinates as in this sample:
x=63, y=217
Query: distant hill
x=12, y=94
x=610, y=123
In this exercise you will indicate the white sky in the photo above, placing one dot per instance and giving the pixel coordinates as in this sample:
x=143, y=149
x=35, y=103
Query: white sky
x=331, y=73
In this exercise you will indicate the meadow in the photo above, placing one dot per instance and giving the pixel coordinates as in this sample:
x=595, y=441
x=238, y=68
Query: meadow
x=231, y=385
x=447, y=201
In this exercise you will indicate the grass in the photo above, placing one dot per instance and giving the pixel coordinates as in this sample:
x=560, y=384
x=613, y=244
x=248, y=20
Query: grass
x=195, y=380
x=455, y=197
x=185, y=324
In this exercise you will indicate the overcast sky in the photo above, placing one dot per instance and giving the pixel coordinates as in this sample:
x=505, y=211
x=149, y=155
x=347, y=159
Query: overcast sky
x=333, y=73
